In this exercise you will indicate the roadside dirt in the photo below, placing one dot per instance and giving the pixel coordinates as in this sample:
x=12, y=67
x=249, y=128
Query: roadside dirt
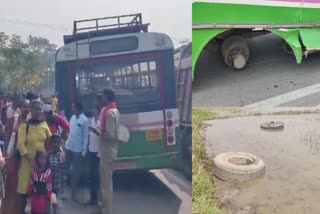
x=292, y=157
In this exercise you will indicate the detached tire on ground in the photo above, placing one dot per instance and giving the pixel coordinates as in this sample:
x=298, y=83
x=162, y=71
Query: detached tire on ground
x=272, y=125
x=238, y=166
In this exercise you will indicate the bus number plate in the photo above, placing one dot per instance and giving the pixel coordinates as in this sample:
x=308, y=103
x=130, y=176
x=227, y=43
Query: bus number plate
x=154, y=135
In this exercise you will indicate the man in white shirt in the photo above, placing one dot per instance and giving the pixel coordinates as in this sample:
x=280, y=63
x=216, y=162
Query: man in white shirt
x=76, y=145
x=14, y=107
x=94, y=160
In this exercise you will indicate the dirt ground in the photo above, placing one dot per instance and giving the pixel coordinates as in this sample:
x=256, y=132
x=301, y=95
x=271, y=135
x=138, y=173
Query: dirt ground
x=292, y=156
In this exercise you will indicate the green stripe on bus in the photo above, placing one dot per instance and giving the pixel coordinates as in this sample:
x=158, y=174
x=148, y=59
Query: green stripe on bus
x=138, y=145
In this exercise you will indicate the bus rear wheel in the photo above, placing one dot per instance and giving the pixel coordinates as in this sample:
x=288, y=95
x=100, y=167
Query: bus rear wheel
x=286, y=47
x=213, y=46
x=235, y=52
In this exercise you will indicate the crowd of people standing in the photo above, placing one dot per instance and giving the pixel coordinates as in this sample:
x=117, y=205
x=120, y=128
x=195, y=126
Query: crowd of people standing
x=38, y=147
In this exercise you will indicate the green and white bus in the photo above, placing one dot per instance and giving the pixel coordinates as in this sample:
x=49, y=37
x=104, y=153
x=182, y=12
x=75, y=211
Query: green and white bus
x=139, y=65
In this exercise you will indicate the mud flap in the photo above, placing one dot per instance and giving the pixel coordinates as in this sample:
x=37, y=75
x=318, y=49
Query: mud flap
x=200, y=38
x=311, y=39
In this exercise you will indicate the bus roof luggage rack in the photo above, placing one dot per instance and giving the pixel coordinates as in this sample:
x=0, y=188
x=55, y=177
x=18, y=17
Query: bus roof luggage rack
x=117, y=25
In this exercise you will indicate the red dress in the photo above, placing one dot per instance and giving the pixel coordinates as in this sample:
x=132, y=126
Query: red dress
x=54, y=128
x=40, y=190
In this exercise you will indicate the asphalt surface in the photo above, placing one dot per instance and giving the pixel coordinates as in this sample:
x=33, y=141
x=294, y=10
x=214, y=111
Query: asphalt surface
x=156, y=192
x=270, y=73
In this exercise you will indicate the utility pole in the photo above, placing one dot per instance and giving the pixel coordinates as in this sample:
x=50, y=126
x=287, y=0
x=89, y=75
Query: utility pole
x=184, y=41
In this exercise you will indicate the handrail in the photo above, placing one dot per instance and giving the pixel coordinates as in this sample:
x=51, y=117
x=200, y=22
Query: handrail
x=117, y=23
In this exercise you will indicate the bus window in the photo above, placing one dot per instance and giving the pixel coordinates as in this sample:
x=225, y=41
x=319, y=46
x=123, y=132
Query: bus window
x=129, y=69
x=83, y=81
x=152, y=65
x=143, y=66
x=114, y=45
x=135, y=68
x=134, y=78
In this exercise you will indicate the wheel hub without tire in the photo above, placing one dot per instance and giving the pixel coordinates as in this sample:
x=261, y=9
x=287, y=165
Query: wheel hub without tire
x=235, y=52
x=239, y=61
x=272, y=125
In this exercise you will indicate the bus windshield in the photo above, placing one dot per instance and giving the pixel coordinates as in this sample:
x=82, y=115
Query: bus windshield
x=134, y=81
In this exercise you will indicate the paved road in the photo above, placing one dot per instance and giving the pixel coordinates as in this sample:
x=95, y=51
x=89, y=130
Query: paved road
x=270, y=73
x=156, y=192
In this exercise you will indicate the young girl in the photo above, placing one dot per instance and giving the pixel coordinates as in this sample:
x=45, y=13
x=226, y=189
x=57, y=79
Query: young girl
x=40, y=188
x=56, y=162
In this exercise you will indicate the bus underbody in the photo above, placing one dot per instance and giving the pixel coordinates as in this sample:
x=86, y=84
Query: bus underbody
x=225, y=25
x=232, y=43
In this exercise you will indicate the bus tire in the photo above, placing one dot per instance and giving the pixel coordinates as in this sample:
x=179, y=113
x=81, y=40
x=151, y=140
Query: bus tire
x=286, y=48
x=187, y=171
x=186, y=141
x=238, y=167
x=213, y=46
x=272, y=125
x=235, y=52
x=187, y=163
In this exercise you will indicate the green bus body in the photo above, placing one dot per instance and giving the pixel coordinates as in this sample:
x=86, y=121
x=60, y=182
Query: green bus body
x=295, y=22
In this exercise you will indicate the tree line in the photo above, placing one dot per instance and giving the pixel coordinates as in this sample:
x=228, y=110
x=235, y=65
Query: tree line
x=26, y=65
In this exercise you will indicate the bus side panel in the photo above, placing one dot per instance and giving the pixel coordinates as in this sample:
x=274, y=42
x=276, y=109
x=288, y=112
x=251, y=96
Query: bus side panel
x=170, y=91
x=169, y=79
x=138, y=144
x=153, y=154
x=63, y=87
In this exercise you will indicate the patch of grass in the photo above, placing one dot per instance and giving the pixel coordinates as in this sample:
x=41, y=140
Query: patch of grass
x=202, y=114
x=203, y=188
x=218, y=113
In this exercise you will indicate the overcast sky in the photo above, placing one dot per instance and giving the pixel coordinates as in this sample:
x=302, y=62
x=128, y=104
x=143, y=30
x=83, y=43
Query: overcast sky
x=25, y=17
